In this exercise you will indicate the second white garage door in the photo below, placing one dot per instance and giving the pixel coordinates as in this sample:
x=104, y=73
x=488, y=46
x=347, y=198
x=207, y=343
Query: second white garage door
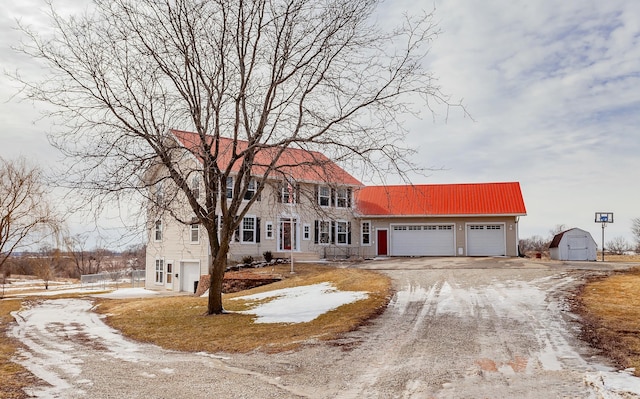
x=422, y=240
x=486, y=240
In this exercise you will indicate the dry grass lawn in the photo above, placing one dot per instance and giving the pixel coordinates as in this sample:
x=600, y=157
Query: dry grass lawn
x=610, y=309
x=13, y=377
x=181, y=322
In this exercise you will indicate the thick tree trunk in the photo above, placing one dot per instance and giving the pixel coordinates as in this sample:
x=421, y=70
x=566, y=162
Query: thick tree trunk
x=216, y=276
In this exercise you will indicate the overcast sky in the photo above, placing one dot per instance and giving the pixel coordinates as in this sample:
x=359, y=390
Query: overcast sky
x=553, y=88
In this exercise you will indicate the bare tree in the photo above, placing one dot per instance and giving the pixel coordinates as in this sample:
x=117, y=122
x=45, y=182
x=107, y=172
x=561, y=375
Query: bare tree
x=618, y=245
x=267, y=75
x=534, y=244
x=85, y=261
x=25, y=215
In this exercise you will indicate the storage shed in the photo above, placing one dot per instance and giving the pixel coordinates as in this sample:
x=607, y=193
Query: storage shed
x=573, y=244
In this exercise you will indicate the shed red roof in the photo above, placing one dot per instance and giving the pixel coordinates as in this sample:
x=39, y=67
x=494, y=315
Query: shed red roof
x=301, y=165
x=442, y=200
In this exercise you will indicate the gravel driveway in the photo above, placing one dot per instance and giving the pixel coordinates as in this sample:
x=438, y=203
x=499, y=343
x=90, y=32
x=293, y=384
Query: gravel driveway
x=455, y=328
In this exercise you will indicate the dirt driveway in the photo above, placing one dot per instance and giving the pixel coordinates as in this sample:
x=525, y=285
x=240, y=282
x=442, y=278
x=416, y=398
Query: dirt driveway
x=455, y=328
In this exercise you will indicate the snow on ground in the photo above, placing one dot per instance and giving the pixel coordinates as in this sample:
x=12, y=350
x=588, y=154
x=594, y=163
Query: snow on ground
x=300, y=304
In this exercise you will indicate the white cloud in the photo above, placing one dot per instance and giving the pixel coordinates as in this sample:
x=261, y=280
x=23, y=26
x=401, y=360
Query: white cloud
x=553, y=87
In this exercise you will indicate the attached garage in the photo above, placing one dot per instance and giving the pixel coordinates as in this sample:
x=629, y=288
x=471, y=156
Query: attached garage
x=189, y=275
x=486, y=240
x=423, y=240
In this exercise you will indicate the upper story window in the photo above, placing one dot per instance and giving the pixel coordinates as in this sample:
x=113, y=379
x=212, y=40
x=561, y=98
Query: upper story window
x=195, y=186
x=194, y=233
x=229, y=187
x=159, y=192
x=343, y=197
x=288, y=193
x=158, y=230
x=251, y=190
x=324, y=196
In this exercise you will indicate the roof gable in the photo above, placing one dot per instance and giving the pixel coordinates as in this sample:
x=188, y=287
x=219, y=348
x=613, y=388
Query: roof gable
x=442, y=200
x=299, y=164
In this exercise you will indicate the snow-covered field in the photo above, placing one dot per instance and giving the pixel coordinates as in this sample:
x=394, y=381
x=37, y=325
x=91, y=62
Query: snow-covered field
x=448, y=333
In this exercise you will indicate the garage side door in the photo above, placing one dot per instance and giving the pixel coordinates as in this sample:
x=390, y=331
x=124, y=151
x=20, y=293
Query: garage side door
x=486, y=240
x=422, y=240
x=190, y=274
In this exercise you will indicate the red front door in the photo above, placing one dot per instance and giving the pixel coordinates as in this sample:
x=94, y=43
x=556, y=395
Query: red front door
x=382, y=242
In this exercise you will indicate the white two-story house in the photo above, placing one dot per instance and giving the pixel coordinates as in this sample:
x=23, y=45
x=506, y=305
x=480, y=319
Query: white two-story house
x=309, y=215
x=320, y=211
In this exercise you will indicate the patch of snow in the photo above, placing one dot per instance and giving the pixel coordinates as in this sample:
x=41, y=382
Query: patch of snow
x=614, y=385
x=300, y=304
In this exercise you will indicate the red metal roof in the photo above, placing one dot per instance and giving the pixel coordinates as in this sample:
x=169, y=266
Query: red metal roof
x=301, y=165
x=442, y=200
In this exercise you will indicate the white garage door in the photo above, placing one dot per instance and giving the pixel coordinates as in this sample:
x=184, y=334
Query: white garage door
x=422, y=240
x=190, y=274
x=486, y=240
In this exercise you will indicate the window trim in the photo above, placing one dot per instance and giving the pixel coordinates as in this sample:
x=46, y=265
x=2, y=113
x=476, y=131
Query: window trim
x=158, y=231
x=306, y=232
x=344, y=233
x=243, y=230
x=344, y=198
x=268, y=234
x=229, y=188
x=326, y=196
x=195, y=186
x=328, y=232
x=363, y=233
x=159, y=272
x=194, y=228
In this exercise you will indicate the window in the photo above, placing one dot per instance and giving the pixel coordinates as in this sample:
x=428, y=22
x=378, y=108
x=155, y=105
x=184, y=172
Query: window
x=195, y=186
x=159, y=193
x=195, y=233
x=159, y=271
x=229, y=187
x=158, y=230
x=342, y=197
x=342, y=232
x=251, y=190
x=306, y=232
x=249, y=229
x=324, y=232
x=288, y=193
x=269, y=232
x=324, y=196
x=366, y=233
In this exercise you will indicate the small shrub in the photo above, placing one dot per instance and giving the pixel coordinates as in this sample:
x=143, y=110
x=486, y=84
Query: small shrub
x=268, y=256
x=247, y=260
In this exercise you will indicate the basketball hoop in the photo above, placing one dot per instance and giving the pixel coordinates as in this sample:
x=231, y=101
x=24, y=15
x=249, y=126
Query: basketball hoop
x=604, y=218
